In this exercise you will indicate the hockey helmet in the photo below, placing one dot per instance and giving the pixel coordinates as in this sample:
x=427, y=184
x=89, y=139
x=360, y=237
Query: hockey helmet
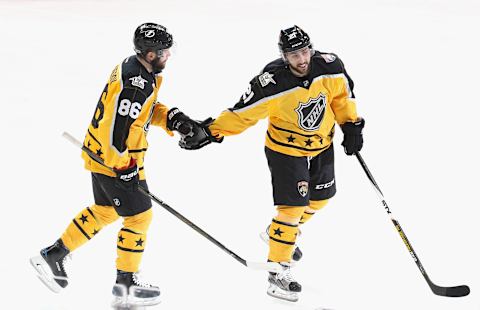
x=292, y=39
x=151, y=37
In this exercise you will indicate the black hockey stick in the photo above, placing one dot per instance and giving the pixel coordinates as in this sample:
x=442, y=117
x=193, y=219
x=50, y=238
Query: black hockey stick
x=270, y=266
x=454, y=291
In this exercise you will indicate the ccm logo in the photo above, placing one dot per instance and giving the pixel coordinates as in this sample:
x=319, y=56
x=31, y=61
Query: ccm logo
x=326, y=185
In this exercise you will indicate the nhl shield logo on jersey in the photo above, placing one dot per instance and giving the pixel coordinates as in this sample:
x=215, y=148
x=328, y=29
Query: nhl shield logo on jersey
x=138, y=81
x=302, y=187
x=310, y=113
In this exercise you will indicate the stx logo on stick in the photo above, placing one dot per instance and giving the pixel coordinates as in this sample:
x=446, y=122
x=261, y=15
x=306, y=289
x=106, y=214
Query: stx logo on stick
x=386, y=206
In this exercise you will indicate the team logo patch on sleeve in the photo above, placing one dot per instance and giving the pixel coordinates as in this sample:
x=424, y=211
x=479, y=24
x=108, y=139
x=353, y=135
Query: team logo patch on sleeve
x=266, y=79
x=114, y=75
x=138, y=81
x=310, y=113
x=328, y=58
x=302, y=187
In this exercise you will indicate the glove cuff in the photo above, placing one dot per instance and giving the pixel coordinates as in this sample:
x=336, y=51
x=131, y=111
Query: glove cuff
x=173, y=115
x=353, y=127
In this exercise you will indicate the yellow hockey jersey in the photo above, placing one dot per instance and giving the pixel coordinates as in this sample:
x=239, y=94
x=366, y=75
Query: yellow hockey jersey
x=125, y=110
x=302, y=111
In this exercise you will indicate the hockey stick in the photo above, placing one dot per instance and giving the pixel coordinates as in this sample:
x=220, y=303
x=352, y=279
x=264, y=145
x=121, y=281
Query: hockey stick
x=453, y=291
x=269, y=266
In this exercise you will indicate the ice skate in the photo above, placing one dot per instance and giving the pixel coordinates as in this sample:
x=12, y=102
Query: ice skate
x=130, y=291
x=297, y=253
x=282, y=285
x=50, y=265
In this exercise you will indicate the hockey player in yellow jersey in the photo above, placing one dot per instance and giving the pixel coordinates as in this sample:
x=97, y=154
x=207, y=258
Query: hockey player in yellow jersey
x=117, y=134
x=303, y=94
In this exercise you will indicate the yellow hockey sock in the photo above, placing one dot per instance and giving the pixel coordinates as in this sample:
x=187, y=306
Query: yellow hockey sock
x=87, y=224
x=131, y=241
x=306, y=216
x=313, y=207
x=282, y=241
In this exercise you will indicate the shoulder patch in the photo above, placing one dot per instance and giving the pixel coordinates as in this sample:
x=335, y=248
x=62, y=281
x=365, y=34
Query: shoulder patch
x=138, y=81
x=114, y=75
x=328, y=57
x=266, y=78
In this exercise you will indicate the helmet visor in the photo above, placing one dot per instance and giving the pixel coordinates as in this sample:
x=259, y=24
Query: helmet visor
x=167, y=51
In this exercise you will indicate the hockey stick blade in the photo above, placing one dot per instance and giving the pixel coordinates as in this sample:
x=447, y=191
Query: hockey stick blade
x=454, y=291
x=270, y=266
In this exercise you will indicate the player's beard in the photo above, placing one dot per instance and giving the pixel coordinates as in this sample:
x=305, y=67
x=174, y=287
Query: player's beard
x=157, y=65
x=299, y=71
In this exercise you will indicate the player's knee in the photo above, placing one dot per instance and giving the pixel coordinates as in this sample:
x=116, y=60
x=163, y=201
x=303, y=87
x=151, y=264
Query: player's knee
x=139, y=222
x=104, y=214
x=290, y=214
x=316, y=205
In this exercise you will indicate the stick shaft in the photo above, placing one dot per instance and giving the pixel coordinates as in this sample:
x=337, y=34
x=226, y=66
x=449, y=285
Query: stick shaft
x=147, y=193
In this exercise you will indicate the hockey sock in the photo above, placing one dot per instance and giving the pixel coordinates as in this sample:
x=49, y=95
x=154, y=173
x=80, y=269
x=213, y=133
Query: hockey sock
x=131, y=241
x=283, y=232
x=87, y=224
x=313, y=207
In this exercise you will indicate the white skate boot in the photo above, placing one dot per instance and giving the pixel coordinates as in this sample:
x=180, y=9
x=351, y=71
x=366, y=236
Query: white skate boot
x=129, y=290
x=282, y=285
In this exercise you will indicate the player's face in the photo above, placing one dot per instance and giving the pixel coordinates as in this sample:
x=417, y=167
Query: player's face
x=161, y=59
x=299, y=61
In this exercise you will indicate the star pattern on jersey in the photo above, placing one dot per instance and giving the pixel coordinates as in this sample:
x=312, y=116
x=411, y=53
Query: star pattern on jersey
x=95, y=232
x=321, y=140
x=308, y=142
x=139, y=242
x=83, y=218
x=330, y=135
x=120, y=239
x=291, y=139
x=88, y=144
x=278, y=232
x=99, y=152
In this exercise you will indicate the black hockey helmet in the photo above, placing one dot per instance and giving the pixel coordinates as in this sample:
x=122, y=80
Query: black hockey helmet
x=292, y=39
x=151, y=37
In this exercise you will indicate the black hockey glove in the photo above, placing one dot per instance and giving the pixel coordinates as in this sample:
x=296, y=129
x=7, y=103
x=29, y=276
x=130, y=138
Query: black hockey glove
x=177, y=121
x=127, y=179
x=199, y=137
x=352, y=136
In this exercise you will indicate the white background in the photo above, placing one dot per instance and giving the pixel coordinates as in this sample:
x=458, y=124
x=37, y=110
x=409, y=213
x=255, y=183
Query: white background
x=415, y=65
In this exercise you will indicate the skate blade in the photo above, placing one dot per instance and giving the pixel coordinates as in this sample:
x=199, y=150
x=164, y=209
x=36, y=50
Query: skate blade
x=276, y=292
x=130, y=301
x=136, y=301
x=120, y=304
x=45, y=274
